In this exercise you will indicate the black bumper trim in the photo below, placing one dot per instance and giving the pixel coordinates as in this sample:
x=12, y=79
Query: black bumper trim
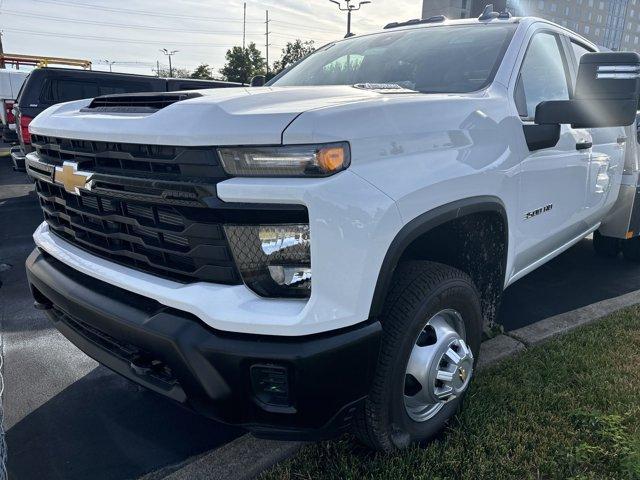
x=205, y=369
x=18, y=158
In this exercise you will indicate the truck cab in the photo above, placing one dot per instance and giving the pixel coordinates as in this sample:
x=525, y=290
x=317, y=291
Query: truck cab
x=10, y=84
x=327, y=251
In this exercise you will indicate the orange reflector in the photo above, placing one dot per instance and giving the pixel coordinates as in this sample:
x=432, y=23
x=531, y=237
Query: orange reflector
x=629, y=234
x=331, y=159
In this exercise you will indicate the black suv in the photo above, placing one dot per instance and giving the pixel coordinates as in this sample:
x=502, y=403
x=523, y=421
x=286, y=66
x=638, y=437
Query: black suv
x=47, y=86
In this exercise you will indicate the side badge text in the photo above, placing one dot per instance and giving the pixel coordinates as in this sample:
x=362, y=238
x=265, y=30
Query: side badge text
x=538, y=211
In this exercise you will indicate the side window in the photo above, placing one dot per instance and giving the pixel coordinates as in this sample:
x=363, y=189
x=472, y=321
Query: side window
x=579, y=51
x=111, y=87
x=19, y=96
x=543, y=75
x=66, y=90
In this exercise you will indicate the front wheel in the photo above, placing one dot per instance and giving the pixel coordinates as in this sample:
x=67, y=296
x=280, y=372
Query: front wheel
x=432, y=328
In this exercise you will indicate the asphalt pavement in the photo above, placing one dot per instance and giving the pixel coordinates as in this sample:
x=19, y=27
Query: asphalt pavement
x=575, y=279
x=66, y=417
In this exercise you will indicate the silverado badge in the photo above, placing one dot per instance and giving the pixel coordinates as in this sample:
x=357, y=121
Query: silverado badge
x=72, y=179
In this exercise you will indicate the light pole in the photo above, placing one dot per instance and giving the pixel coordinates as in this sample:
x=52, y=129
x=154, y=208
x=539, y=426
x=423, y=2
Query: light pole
x=349, y=8
x=169, y=53
x=110, y=63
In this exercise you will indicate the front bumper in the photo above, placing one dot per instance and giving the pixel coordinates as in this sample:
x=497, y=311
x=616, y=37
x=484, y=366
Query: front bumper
x=173, y=353
x=18, y=158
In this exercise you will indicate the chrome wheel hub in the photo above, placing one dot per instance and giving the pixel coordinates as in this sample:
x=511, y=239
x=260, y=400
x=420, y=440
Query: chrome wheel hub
x=439, y=368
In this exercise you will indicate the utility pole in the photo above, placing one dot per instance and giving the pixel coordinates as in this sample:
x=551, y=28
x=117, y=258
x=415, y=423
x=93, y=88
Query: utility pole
x=244, y=26
x=169, y=53
x=158, y=67
x=349, y=8
x=267, y=41
x=2, y=65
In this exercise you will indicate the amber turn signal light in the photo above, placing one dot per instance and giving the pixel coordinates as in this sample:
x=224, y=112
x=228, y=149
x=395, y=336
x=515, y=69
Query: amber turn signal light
x=331, y=159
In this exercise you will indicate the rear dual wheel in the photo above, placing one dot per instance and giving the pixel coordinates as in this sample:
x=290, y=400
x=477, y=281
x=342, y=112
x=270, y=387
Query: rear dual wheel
x=432, y=327
x=631, y=249
x=610, y=247
x=607, y=247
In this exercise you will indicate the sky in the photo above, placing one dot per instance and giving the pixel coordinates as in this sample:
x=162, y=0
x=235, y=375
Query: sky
x=131, y=32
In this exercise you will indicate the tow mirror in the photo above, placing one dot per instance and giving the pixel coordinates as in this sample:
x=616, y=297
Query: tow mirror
x=606, y=95
x=258, y=81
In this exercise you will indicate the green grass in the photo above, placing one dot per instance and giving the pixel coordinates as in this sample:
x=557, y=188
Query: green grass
x=568, y=409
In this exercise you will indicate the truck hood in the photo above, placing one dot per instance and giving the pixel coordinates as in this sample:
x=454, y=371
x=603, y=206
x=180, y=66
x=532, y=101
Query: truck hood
x=227, y=116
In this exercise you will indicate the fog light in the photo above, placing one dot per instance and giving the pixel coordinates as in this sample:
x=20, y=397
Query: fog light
x=274, y=260
x=285, y=275
x=270, y=385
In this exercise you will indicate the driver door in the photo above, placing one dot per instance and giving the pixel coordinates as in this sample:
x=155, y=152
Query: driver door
x=552, y=180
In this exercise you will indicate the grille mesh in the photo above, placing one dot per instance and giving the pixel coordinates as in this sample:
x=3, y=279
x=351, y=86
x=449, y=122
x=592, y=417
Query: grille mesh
x=134, y=235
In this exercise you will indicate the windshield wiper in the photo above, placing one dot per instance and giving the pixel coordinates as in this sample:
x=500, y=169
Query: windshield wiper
x=384, y=87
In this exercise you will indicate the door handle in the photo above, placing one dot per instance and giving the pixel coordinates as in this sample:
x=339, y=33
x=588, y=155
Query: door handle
x=584, y=145
x=622, y=140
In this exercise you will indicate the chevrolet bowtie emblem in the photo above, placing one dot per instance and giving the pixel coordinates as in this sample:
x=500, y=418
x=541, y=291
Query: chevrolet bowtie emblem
x=72, y=179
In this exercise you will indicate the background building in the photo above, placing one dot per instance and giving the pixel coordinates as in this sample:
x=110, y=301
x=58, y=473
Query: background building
x=614, y=24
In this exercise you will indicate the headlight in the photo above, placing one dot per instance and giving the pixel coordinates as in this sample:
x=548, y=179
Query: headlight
x=287, y=161
x=274, y=260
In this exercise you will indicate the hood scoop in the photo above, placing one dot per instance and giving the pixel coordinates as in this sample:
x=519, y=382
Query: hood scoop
x=137, y=102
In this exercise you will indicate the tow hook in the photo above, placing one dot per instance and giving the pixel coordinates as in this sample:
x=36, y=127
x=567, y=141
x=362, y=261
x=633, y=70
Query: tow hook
x=144, y=366
x=42, y=305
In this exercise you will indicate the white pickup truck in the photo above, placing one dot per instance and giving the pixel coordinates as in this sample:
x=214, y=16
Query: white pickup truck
x=326, y=251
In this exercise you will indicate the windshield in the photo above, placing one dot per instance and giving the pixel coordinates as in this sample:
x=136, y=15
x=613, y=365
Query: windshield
x=443, y=59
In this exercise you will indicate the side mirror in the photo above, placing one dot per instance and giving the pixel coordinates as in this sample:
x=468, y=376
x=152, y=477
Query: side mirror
x=607, y=92
x=258, y=81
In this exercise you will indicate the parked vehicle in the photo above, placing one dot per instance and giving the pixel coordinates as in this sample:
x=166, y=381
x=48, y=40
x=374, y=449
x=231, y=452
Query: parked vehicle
x=49, y=86
x=325, y=252
x=10, y=83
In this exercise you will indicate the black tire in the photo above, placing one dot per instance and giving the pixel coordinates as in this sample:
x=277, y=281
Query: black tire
x=631, y=249
x=419, y=291
x=607, y=247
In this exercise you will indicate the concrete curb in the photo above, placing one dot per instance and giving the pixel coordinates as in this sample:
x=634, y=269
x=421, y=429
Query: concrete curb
x=497, y=349
x=246, y=457
x=242, y=459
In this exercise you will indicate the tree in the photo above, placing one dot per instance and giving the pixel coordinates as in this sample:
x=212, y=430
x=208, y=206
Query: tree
x=177, y=72
x=292, y=53
x=241, y=65
x=203, y=72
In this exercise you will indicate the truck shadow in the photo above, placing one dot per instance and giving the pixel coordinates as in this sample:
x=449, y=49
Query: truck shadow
x=572, y=280
x=105, y=427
